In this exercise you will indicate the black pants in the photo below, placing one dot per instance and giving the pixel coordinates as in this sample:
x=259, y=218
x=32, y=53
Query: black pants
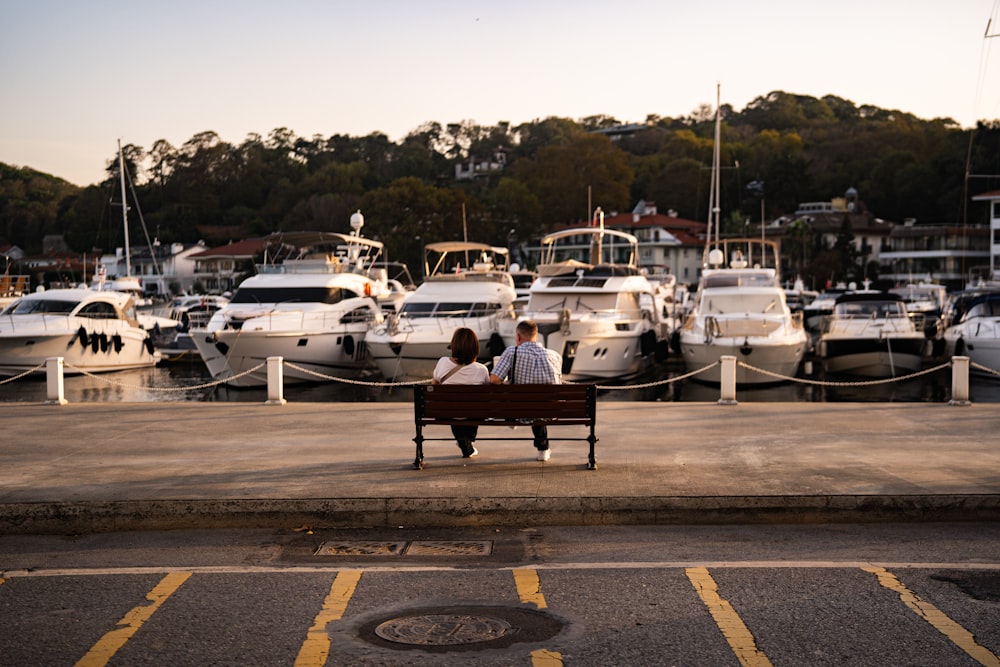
x=468, y=433
x=541, y=434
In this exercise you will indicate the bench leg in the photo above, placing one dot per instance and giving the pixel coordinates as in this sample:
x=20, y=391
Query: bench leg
x=592, y=461
x=418, y=462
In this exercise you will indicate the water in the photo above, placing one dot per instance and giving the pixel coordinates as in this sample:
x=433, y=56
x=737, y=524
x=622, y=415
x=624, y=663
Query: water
x=179, y=382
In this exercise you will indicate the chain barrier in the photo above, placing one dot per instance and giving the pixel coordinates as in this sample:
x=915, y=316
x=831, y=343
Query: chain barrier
x=204, y=385
x=658, y=383
x=363, y=383
x=646, y=385
x=985, y=369
x=859, y=383
x=25, y=373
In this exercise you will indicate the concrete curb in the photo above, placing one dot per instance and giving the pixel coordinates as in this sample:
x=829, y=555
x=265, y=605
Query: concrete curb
x=134, y=515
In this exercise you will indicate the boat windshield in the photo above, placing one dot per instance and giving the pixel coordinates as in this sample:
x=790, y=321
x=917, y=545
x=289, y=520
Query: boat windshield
x=327, y=295
x=35, y=306
x=449, y=309
x=989, y=308
x=742, y=279
x=742, y=303
x=865, y=309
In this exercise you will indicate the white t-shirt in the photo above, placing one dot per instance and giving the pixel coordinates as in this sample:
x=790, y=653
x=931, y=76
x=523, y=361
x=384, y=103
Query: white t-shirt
x=474, y=373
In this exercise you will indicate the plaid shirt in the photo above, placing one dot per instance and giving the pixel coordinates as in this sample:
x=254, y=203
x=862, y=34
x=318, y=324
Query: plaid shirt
x=534, y=365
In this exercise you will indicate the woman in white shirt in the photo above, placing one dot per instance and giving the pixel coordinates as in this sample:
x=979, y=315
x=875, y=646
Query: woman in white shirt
x=462, y=368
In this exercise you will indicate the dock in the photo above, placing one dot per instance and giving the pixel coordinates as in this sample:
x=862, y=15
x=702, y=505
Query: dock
x=96, y=467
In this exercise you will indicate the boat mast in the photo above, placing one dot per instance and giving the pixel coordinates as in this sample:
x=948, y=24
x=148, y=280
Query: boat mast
x=121, y=173
x=716, y=161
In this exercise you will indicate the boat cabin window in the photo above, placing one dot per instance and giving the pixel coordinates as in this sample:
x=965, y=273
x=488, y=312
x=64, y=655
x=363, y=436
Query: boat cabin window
x=327, y=295
x=864, y=309
x=449, y=309
x=99, y=310
x=362, y=314
x=32, y=306
x=990, y=308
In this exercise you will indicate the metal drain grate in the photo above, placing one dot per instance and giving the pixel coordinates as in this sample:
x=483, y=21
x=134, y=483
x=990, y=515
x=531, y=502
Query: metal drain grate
x=414, y=548
x=450, y=548
x=360, y=548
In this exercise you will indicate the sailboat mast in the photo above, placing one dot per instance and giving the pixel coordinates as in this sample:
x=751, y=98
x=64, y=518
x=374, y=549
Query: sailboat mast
x=121, y=173
x=716, y=161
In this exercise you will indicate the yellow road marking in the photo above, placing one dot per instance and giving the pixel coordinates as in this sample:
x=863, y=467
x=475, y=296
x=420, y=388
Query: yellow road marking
x=961, y=637
x=316, y=648
x=529, y=589
x=101, y=652
x=733, y=629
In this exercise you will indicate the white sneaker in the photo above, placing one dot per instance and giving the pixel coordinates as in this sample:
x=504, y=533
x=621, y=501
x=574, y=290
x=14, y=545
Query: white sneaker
x=475, y=452
x=543, y=455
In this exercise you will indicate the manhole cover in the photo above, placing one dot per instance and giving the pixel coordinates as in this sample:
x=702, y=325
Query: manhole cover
x=443, y=629
x=360, y=548
x=450, y=548
x=460, y=628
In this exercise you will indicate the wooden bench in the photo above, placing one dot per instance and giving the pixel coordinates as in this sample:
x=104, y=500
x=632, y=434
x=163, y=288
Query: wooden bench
x=506, y=405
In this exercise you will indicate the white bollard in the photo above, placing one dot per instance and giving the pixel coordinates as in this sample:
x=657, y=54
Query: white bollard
x=959, y=381
x=275, y=381
x=727, y=381
x=54, y=382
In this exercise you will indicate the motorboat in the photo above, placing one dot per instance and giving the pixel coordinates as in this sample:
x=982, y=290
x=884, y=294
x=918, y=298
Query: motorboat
x=467, y=284
x=739, y=310
x=185, y=312
x=94, y=332
x=740, y=307
x=311, y=303
x=975, y=331
x=871, y=334
x=604, y=316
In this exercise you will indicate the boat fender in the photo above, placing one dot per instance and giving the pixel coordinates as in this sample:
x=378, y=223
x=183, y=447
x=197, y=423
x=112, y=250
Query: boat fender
x=222, y=347
x=647, y=343
x=95, y=343
x=960, y=347
x=148, y=342
x=84, y=337
x=368, y=289
x=105, y=343
x=156, y=328
x=116, y=342
x=662, y=350
x=937, y=347
x=746, y=348
x=675, y=341
x=349, y=345
x=495, y=346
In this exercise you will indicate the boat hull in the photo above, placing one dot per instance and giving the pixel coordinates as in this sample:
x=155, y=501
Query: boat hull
x=872, y=357
x=101, y=350
x=779, y=360
x=412, y=352
x=235, y=355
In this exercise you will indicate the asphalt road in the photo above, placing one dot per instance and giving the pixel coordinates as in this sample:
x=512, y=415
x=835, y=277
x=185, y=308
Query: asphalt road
x=871, y=594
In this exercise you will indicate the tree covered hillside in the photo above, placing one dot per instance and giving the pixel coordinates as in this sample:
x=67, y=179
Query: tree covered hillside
x=546, y=172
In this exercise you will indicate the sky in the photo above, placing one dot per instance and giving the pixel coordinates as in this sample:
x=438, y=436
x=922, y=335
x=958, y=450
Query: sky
x=76, y=77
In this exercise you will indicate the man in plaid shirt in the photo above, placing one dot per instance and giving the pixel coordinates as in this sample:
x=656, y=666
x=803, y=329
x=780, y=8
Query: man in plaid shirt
x=527, y=362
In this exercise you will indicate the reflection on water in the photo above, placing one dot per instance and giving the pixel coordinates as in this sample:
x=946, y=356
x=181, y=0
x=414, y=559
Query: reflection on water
x=184, y=382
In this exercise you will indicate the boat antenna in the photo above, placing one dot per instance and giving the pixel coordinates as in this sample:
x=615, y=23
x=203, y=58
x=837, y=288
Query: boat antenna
x=121, y=174
x=465, y=235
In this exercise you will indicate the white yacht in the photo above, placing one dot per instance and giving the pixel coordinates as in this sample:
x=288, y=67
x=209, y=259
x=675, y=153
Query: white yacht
x=740, y=307
x=604, y=316
x=975, y=331
x=312, y=305
x=740, y=310
x=467, y=284
x=871, y=334
x=92, y=331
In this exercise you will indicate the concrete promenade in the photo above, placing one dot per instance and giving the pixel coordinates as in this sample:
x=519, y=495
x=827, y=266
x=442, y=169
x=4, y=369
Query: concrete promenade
x=87, y=467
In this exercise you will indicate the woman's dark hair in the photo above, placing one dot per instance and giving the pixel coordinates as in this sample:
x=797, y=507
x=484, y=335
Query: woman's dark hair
x=465, y=345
